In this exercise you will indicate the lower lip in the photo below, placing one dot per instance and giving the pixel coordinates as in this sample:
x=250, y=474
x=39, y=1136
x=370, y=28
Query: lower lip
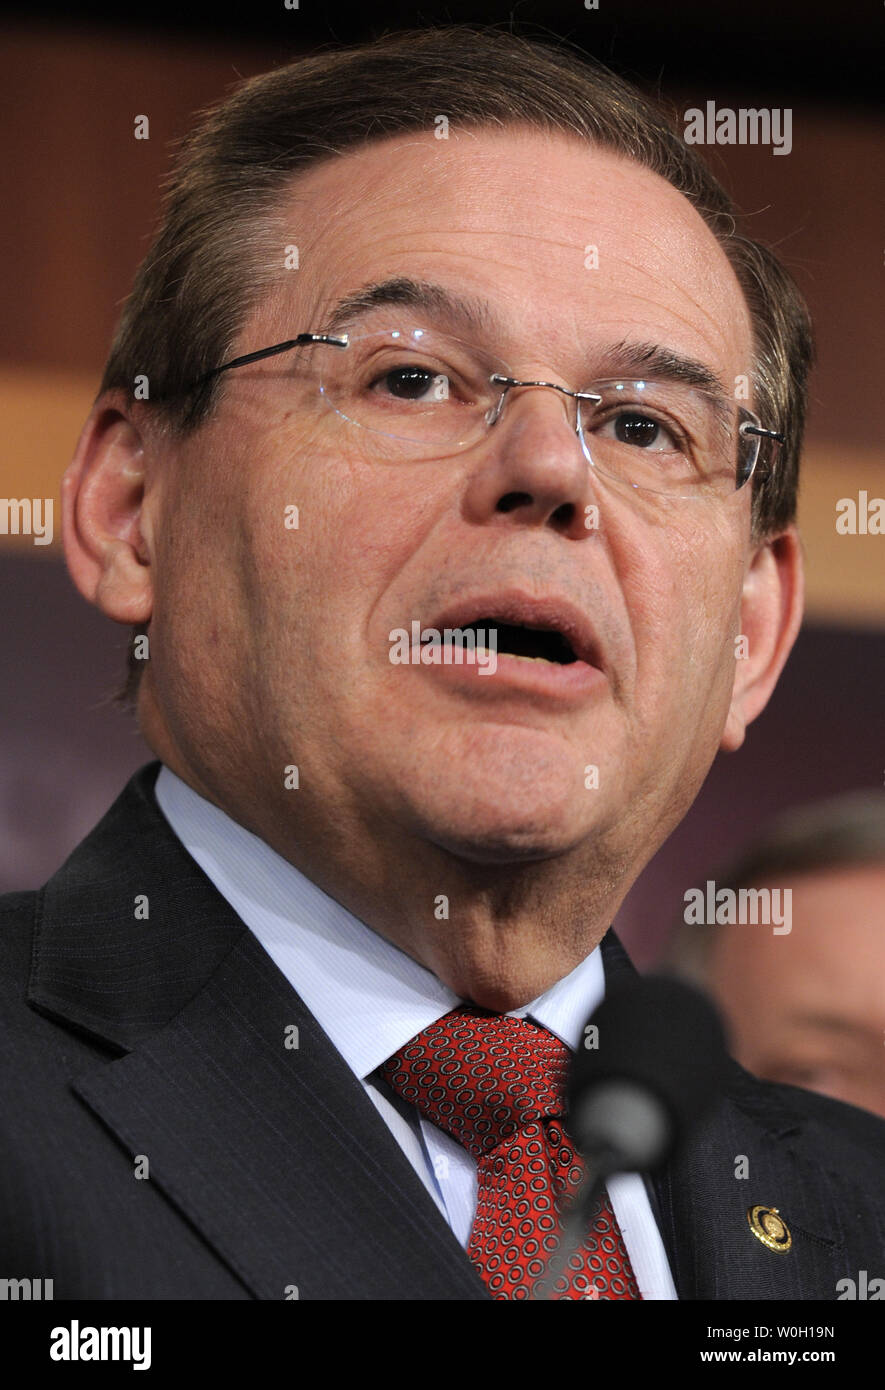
x=569, y=684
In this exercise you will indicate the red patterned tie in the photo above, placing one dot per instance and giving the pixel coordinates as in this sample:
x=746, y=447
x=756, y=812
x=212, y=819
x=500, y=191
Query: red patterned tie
x=496, y=1084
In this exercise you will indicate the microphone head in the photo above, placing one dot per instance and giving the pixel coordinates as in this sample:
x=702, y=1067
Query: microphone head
x=662, y=1038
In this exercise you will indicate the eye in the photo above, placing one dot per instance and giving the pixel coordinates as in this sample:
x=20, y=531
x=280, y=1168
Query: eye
x=412, y=383
x=640, y=431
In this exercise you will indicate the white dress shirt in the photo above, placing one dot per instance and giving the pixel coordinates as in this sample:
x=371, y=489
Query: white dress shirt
x=370, y=998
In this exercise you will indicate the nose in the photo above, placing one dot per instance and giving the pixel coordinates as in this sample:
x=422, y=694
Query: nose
x=511, y=383
x=533, y=466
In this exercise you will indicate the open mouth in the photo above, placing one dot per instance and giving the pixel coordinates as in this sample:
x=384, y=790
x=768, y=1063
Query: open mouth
x=529, y=643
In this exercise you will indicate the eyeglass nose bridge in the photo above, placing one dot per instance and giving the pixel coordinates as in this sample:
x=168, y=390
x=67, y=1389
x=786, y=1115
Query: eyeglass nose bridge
x=509, y=382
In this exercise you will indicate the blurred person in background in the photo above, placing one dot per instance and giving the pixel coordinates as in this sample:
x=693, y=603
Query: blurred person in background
x=805, y=999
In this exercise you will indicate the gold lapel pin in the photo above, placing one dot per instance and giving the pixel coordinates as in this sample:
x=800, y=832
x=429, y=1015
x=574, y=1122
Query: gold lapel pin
x=769, y=1226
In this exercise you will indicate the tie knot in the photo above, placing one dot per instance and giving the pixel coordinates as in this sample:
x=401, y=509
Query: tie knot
x=481, y=1076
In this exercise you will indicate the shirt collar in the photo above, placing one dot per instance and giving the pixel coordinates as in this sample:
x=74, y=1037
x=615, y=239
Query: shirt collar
x=366, y=994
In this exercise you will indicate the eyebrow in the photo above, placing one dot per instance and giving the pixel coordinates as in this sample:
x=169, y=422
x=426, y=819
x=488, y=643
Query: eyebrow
x=475, y=315
x=664, y=364
x=462, y=311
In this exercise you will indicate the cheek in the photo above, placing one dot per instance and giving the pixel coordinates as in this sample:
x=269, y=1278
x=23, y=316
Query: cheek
x=708, y=570
x=682, y=588
x=326, y=533
x=195, y=556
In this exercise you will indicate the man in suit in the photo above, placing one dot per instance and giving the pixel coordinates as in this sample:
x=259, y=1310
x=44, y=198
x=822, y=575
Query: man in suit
x=426, y=468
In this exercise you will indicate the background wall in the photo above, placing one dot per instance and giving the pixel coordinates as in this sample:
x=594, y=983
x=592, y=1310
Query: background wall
x=82, y=195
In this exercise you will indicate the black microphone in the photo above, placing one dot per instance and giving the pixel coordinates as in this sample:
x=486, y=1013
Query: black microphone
x=652, y=1062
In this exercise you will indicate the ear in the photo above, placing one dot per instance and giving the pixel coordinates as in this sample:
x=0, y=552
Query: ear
x=771, y=615
x=103, y=521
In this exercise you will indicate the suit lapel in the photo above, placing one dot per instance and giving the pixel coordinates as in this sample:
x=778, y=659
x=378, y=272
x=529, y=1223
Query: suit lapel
x=274, y=1153
x=748, y=1153
x=745, y=1154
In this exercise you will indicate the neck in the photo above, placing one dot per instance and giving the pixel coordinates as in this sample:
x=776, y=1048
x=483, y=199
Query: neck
x=498, y=934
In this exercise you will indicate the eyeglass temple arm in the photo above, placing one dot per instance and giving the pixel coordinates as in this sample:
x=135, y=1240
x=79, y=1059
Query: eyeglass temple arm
x=747, y=428
x=300, y=341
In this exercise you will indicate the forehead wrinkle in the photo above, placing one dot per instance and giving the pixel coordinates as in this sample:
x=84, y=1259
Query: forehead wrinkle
x=364, y=189
x=590, y=221
x=650, y=279
x=690, y=240
x=695, y=316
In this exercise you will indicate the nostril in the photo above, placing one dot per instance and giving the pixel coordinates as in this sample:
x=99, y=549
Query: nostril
x=511, y=500
x=564, y=515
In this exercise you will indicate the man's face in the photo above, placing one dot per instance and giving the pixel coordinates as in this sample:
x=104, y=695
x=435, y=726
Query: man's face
x=271, y=646
x=808, y=1007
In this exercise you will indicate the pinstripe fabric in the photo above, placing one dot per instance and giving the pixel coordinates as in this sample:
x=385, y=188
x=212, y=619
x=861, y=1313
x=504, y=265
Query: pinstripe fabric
x=128, y=1042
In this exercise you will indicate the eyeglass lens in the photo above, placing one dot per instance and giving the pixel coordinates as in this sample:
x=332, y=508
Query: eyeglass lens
x=422, y=389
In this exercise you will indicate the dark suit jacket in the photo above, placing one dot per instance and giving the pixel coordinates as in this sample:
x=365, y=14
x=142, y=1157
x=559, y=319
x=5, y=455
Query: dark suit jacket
x=162, y=1040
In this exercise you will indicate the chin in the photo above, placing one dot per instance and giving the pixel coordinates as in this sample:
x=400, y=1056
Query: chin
x=497, y=800
x=499, y=849
x=503, y=835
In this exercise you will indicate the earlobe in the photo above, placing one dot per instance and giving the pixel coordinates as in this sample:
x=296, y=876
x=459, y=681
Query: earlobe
x=771, y=615
x=734, y=731
x=103, y=520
